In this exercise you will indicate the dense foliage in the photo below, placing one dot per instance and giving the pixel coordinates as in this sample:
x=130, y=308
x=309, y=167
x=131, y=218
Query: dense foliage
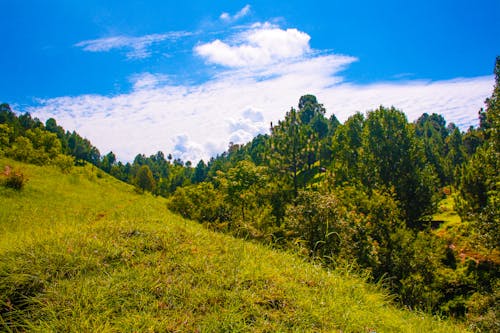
x=365, y=193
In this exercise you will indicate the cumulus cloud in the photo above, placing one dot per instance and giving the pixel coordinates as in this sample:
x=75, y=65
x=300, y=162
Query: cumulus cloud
x=241, y=13
x=247, y=126
x=186, y=149
x=138, y=47
x=262, y=45
x=194, y=121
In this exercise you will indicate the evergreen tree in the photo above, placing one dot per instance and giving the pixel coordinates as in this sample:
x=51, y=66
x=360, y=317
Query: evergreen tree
x=393, y=159
x=288, y=146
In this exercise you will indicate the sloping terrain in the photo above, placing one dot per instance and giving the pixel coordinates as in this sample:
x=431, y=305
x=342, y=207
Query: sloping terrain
x=82, y=252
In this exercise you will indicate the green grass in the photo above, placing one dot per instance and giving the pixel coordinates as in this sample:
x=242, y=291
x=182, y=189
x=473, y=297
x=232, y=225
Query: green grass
x=446, y=212
x=82, y=253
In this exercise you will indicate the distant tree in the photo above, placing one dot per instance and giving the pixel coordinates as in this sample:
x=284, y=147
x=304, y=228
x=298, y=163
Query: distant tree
x=108, y=161
x=309, y=108
x=243, y=183
x=82, y=149
x=200, y=172
x=144, y=179
x=27, y=122
x=258, y=150
x=51, y=126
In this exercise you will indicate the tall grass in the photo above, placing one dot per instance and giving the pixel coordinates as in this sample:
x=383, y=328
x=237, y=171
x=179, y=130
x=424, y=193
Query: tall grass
x=81, y=253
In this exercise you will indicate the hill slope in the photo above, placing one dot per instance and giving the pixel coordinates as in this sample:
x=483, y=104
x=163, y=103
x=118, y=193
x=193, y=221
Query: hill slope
x=84, y=252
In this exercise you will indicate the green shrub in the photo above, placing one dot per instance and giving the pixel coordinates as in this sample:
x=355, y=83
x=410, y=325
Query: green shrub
x=201, y=202
x=64, y=162
x=13, y=179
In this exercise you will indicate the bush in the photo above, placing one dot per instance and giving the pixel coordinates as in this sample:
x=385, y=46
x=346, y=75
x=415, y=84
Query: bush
x=201, y=202
x=13, y=179
x=64, y=162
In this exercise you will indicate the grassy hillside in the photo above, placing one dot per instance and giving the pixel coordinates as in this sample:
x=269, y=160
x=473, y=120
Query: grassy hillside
x=83, y=252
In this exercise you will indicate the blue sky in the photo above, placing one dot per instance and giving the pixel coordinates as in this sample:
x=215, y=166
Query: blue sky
x=189, y=77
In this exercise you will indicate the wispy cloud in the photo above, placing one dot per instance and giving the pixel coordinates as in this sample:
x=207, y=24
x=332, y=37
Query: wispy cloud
x=195, y=121
x=138, y=47
x=147, y=80
x=241, y=13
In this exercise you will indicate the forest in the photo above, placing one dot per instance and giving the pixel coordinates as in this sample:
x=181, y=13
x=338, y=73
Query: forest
x=414, y=206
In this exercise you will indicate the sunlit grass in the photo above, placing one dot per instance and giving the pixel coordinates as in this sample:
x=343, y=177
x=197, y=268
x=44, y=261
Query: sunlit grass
x=446, y=212
x=85, y=253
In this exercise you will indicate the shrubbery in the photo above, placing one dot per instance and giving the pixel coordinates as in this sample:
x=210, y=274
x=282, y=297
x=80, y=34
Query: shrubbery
x=13, y=178
x=64, y=162
x=202, y=203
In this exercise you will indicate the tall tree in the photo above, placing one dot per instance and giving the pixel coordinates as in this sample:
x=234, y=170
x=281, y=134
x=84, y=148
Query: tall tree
x=393, y=158
x=288, y=147
x=144, y=179
x=346, y=148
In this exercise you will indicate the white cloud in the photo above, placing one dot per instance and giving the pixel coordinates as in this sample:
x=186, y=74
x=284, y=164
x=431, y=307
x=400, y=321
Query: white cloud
x=247, y=126
x=198, y=121
x=138, y=46
x=147, y=80
x=262, y=45
x=228, y=18
x=194, y=122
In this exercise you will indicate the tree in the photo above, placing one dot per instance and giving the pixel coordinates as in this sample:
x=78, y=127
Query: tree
x=200, y=172
x=5, y=134
x=346, y=146
x=82, y=149
x=29, y=123
x=288, y=146
x=432, y=131
x=22, y=149
x=243, y=183
x=455, y=154
x=144, y=179
x=45, y=142
x=51, y=126
x=309, y=108
x=108, y=161
x=479, y=196
x=393, y=159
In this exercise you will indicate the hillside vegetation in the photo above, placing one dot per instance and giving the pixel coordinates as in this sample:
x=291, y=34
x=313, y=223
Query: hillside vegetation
x=414, y=206
x=83, y=252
